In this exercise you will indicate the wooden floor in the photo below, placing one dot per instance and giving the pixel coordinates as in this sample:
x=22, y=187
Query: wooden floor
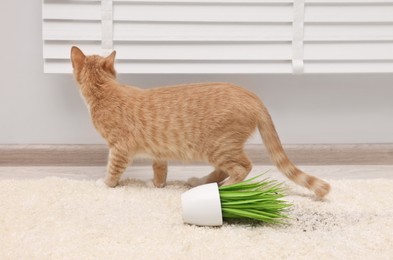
x=346, y=161
x=182, y=173
x=96, y=155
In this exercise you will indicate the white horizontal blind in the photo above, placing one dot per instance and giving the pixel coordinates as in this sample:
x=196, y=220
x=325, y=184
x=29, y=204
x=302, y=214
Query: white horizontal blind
x=223, y=36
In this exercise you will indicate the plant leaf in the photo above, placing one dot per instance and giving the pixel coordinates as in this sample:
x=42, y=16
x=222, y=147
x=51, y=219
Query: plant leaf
x=259, y=200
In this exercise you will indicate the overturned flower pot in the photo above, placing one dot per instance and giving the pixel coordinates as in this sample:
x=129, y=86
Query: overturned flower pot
x=209, y=205
x=202, y=206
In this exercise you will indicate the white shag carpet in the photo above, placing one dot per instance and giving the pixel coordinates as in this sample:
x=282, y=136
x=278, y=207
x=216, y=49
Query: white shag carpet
x=56, y=218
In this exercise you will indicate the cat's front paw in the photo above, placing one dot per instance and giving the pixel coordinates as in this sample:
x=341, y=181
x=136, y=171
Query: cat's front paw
x=153, y=184
x=106, y=183
x=110, y=182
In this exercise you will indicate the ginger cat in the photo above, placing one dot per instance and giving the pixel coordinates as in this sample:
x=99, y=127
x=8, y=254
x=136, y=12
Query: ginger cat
x=204, y=122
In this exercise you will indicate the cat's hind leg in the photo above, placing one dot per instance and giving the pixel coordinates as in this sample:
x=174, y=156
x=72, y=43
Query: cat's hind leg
x=215, y=176
x=160, y=169
x=236, y=165
x=118, y=161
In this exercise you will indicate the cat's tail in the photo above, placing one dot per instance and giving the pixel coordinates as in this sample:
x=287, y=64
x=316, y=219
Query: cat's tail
x=280, y=159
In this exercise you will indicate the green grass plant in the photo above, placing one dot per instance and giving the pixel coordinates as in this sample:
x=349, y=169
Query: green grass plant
x=256, y=199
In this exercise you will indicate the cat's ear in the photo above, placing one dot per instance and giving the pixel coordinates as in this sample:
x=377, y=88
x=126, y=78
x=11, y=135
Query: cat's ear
x=77, y=58
x=109, y=63
x=110, y=60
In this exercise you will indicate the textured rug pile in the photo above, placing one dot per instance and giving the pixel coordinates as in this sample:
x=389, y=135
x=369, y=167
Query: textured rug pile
x=56, y=218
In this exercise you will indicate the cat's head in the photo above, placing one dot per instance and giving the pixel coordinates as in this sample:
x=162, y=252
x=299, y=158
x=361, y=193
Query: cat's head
x=92, y=65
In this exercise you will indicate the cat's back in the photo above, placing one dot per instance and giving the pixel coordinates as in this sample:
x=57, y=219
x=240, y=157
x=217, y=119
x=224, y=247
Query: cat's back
x=214, y=92
x=202, y=103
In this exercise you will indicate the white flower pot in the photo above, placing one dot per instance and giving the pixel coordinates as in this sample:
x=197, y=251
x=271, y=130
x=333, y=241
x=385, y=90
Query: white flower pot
x=201, y=206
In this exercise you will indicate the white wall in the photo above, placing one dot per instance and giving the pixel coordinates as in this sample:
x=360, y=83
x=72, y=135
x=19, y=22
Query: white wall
x=46, y=108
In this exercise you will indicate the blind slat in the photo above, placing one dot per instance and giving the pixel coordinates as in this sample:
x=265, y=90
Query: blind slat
x=91, y=30
x=181, y=67
x=72, y=10
x=72, y=31
x=208, y=1
x=349, y=67
x=348, y=32
x=181, y=51
x=179, y=12
x=349, y=13
x=254, y=1
x=349, y=51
